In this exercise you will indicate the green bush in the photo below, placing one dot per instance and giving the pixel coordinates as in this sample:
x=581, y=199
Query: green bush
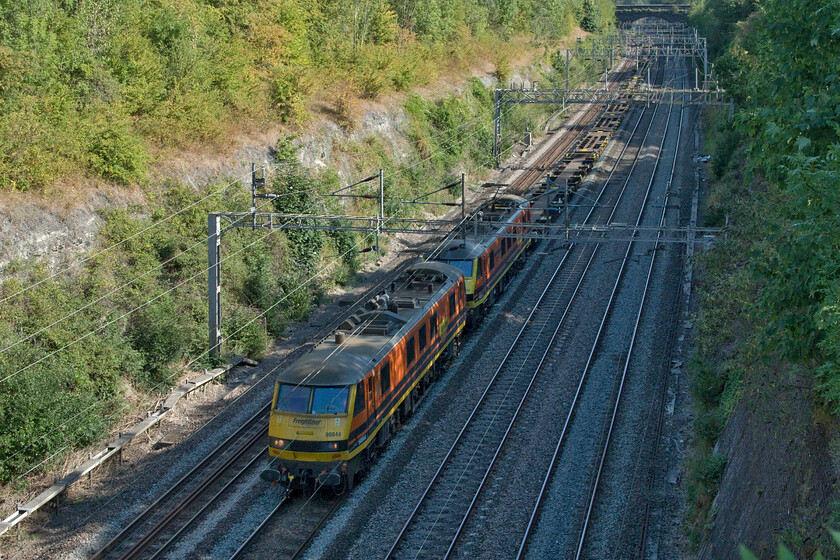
x=158, y=335
x=371, y=84
x=707, y=383
x=287, y=95
x=168, y=74
x=244, y=331
x=709, y=425
x=116, y=153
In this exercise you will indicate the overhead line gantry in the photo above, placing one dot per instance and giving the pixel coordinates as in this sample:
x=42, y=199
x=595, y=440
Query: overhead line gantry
x=637, y=42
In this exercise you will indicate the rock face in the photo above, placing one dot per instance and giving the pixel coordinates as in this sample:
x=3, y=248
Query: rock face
x=779, y=477
x=28, y=231
x=324, y=148
x=33, y=230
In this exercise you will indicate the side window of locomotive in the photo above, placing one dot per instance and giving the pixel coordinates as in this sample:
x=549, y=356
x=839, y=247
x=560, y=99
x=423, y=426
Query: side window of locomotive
x=410, y=355
x=492, y=260
x=359, y=402
x=370, y=390
x=452, y=310
x=424, y=337
x=385, y=377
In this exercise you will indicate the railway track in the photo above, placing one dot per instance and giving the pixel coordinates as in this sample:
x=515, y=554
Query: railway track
x=659, y=408
x=524, y=183
x=288, y=529
x=628, y=353
x=600, y=347
x=159, y=526
x=439, y=518
x=148, y=534
x=436, y=521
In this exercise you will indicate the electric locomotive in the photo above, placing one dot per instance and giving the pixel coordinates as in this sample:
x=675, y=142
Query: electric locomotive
x=336, y=406
x=484, y=254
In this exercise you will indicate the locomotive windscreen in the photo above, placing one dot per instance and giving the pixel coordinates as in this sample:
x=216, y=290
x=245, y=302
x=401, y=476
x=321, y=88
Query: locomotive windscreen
x=306, y=400
x=464, y=266
x=330, y=400
x=292, y=398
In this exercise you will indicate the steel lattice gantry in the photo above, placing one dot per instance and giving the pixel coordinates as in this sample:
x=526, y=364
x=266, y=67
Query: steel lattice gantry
x=649, y=40
x=644, y=41
x=436, y=228
x=645, y=95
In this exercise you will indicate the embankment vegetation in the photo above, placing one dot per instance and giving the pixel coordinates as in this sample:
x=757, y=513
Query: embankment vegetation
x=771, y=290
x=107, y=88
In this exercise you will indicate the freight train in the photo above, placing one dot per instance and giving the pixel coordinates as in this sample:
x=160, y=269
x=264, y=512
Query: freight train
x=336, y=407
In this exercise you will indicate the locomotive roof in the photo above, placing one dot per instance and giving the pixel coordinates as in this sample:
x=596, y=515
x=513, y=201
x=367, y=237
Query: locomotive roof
x=477, y=235
x=373, y=330
x=326, y=367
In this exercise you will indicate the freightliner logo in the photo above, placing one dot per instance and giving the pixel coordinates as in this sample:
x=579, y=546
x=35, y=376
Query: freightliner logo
x=306, y=421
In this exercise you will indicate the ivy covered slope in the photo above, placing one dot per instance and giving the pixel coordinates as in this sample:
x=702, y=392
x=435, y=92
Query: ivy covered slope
x=768, y=356
x=106, y=87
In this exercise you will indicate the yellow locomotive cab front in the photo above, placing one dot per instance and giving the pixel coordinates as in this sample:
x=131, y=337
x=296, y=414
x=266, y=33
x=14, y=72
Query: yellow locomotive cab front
x=308, y=431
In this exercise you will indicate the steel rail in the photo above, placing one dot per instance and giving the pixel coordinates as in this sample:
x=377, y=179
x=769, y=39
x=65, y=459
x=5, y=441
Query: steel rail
x=179, y=484
x=640, y=549
x=584, y=120
x=154, y=506
x=239, y=551
x=314, y=531
x=491, y=382
x=553, y=337
x=522, y=400
x=632, y=342
x=590, y=359
x=480, y=402
x=165, y=546
x=137, y=548
x=658, y=430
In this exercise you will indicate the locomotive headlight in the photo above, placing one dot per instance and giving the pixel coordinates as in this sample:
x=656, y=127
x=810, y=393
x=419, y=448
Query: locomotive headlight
x=277, y=443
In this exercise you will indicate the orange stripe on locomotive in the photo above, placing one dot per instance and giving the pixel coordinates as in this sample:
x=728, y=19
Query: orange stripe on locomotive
x=379, y=359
